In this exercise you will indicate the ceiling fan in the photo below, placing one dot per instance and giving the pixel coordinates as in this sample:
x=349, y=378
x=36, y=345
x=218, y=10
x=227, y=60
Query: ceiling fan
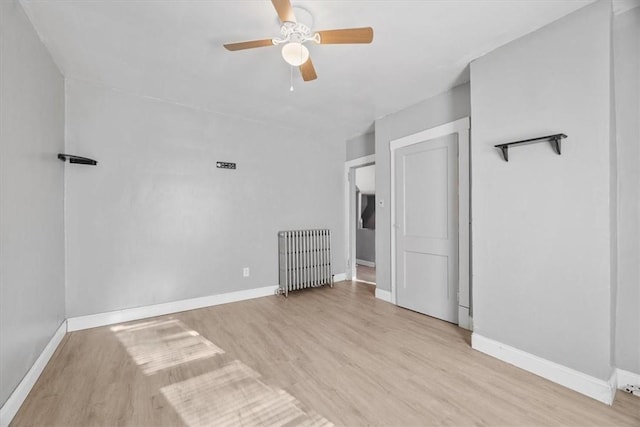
x=295, y=34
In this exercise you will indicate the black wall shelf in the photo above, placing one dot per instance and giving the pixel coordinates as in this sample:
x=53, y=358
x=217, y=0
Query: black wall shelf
x=553, y=139
x=77, y=159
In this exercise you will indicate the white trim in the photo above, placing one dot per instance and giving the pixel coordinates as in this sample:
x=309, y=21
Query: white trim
x=436, y=132
x=13, y=403
x=383, y=295
x=365, y=263
x=623, y=6
x=360, y=161
x=598, y=389
x=349, y=228
x=126, y=315
x=464, y=227
x=461, y=127
x=339, y=277
x=625, y=378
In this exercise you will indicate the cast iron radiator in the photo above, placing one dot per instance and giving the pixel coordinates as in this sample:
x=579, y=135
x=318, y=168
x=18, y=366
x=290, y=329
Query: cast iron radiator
x=305, y=259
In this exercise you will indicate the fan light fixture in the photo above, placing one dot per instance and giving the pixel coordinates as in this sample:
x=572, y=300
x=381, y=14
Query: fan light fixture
x=294, y=33
x=295, y=53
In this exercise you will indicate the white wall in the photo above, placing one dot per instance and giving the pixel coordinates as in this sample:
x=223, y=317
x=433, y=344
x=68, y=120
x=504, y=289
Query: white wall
x=626, y=49
x=31, y=197
x=155, y=221
x=366, y=179
x=541, y=222
x=441, y=109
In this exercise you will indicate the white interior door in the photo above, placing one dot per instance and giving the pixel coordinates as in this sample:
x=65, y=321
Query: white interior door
x=426, y=215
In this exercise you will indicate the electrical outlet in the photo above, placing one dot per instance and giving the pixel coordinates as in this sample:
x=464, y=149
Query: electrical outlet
x=245, y=272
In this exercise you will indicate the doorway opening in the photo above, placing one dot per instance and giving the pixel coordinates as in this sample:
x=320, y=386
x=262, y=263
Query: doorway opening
x=365, y=217
x=360, y=217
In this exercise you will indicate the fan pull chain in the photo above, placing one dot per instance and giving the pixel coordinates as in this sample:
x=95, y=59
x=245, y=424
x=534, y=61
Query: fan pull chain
x=291, y=77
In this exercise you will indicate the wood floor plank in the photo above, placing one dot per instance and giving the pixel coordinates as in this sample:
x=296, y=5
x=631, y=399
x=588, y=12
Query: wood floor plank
x=323, y=355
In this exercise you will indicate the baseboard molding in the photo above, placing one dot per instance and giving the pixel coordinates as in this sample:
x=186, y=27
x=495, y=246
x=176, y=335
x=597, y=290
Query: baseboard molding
x=383, y=295
x=126, y=315
x=15, y=400
x=339, y=277
x=365, y=263
x=625, y=378
x=603, y=391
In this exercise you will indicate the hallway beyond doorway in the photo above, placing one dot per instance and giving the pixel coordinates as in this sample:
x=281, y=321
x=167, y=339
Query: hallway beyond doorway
x=366, y=274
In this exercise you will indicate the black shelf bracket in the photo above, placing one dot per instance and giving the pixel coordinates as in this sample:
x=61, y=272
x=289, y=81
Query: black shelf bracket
x=553, y=139
x=77, y=159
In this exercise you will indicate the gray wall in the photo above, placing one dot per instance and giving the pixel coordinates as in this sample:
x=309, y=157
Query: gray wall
x=155, y=221
x=541, y=222
x=441, y=109
x=366, y=244
x=31, y=197
x=361, y=146
x=365, y=237
x=627, y=95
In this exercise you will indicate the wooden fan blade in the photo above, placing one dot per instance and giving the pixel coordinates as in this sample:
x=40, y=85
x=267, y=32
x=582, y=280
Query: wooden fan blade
x=346, y=35
x=284, y=9
x=248, y=45
x=308, y=71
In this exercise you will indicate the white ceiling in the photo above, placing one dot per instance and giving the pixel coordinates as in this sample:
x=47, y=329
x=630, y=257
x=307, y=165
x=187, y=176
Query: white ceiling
x=172, y=50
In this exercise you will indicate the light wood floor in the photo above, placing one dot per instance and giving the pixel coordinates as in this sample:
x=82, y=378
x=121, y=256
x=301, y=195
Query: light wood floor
x=322, y=355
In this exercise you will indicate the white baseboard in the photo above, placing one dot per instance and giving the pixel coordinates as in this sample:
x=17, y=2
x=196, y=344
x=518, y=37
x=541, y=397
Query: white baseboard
x=598, y=389
x=625, y=378
x=383, y=295
x=339, y=277
x=13, y=403
x=365, y=263
x=126, y=315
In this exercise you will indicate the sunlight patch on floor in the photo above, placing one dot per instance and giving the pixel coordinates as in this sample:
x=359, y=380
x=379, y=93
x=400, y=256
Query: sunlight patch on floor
x=234, y=396
x=230, y=395
x=160, y=344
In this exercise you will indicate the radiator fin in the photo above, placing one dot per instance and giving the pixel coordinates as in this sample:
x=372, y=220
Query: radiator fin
x=305, y=259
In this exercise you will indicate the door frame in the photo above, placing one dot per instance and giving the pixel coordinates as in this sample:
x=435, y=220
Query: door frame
x=461, y=128
x=349, y=227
